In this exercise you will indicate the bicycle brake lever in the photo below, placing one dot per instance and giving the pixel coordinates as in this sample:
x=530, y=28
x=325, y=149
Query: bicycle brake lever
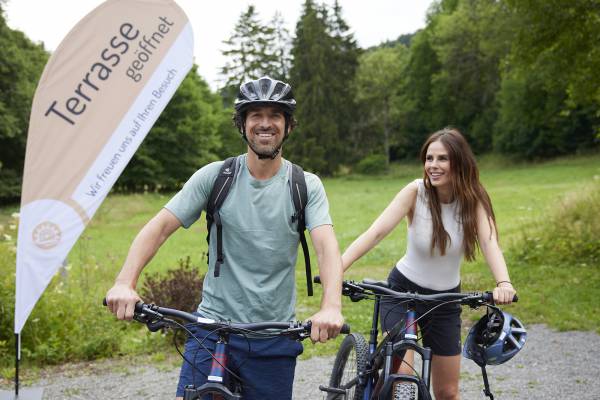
x=154, y=326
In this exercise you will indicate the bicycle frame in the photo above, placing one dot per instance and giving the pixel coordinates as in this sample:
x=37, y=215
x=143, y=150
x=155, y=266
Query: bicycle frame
x=388, y=348
x=364, y=381
x=215, y=384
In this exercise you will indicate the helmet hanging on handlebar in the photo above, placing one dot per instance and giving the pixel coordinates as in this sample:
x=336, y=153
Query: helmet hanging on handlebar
x=495, y=338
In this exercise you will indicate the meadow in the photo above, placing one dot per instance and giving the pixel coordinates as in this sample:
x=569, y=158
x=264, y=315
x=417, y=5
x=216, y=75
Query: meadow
x=557, y=277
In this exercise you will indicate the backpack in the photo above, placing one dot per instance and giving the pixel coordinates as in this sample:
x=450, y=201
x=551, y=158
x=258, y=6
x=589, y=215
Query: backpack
x=219, y=193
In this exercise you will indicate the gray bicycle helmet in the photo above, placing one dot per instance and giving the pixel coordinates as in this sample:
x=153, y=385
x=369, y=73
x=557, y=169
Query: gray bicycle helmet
x=495, y=338
x=260, y=92
x=265, y=91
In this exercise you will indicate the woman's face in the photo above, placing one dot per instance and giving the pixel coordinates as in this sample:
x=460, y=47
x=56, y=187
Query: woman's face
x=437, y=165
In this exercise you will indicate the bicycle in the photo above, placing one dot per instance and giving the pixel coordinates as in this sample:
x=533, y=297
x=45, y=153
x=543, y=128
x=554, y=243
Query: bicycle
x=363, y=371
x=156, y=318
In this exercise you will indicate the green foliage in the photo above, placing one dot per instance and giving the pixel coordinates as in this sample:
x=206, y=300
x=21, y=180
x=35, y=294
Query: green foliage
x=379, y=72
x=179, y=288
x=560, y=40
x=372, y=165
x=7, y=295
x=21, y=64
x=530, y=124
x=469, y=43
x=256, y=49
x=185, y=137
x=325, y=60
x=568, y=237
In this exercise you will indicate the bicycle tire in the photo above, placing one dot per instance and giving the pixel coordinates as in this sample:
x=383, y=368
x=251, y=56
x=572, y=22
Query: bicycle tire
x=351, y=359
x=405, y=391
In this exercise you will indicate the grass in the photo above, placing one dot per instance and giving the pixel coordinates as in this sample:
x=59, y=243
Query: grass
x=523, y=196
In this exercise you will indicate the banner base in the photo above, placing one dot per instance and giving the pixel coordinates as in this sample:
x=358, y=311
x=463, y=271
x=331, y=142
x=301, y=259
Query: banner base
x=24, y=394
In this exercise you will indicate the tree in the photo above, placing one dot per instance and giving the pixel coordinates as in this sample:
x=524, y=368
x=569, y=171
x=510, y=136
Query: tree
x=325, y=60
x=414, y=94
x=377, y=79
x=559, y=40
x=21, y=65
x=249, y=50
x=184, y=138
x=280, y=45
x=470, y=43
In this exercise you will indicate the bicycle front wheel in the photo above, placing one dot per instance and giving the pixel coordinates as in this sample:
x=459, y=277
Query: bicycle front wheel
x=350, y=360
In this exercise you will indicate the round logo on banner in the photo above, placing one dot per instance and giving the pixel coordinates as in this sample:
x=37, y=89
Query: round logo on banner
x=46, y=235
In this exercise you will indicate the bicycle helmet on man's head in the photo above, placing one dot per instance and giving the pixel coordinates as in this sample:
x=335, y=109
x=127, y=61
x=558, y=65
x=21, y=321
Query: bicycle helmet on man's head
x=495, y=338
x=265, y=91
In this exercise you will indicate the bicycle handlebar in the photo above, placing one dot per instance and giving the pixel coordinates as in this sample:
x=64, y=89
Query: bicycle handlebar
x=361, y=290
x=154, y=317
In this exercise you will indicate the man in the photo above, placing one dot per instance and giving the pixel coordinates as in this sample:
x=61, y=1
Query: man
x=259, y=248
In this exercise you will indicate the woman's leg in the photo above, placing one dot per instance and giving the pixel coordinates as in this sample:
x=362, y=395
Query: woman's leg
x=445, y=374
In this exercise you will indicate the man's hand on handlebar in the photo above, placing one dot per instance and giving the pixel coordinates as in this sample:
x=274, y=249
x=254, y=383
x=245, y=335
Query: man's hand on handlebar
x=326, y=324
x=121, y=300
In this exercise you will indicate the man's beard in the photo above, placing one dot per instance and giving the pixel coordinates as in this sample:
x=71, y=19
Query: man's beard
x=262, y=150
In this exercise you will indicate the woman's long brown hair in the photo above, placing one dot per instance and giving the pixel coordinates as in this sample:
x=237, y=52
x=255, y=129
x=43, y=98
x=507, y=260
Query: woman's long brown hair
x=466, y=190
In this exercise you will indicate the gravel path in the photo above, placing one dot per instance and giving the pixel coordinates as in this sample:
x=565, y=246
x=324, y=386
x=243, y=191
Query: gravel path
x=533, y=374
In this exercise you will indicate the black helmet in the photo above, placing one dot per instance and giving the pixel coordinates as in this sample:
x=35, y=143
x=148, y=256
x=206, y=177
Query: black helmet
x=265, y=91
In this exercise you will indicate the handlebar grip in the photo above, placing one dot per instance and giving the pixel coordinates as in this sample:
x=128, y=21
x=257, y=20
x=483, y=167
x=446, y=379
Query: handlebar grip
x=317, y=279
x=345, y=329
x=489, y=297
x=138, y=306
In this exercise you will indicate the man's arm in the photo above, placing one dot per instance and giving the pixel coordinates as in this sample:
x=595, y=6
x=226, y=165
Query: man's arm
x=326, y=323
x=122, y=297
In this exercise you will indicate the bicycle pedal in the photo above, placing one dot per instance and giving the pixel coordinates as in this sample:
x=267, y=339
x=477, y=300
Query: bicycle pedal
x=331, y=390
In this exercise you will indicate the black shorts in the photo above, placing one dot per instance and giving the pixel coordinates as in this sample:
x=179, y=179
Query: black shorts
x=440, y=328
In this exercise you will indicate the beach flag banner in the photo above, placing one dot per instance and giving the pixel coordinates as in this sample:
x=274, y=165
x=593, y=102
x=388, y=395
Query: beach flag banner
x=99, y=95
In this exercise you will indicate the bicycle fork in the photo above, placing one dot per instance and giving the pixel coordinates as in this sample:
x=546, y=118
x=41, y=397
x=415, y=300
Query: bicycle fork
x=215, y=385
x=408, y=342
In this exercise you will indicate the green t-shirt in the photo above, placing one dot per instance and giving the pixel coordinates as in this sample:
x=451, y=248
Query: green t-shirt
x=260, y=243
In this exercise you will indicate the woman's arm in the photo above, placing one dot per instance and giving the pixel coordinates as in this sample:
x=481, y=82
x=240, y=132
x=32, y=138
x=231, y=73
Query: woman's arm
x=383, y=225
x=488, y=242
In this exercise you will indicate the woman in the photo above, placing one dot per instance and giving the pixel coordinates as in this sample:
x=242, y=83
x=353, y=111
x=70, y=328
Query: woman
x=449, y=215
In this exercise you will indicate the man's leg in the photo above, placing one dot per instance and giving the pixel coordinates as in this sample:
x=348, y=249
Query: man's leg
x=268, y=371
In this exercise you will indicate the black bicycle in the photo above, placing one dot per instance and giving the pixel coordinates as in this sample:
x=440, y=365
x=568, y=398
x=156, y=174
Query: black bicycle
x=363, y=371
x=157, y=318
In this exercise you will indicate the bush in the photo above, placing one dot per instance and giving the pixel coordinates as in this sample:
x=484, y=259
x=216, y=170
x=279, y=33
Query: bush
x=7, y=302
x=569, y=236
x=179, y=288
x=372, y=165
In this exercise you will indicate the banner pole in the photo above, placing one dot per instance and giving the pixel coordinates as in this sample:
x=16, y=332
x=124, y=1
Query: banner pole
x=17, y=358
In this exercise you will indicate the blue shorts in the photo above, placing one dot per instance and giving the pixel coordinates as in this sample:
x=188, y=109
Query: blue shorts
x=266, y=366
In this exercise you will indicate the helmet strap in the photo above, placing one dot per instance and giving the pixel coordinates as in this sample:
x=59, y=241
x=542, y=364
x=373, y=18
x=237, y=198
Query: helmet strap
x=486, y=384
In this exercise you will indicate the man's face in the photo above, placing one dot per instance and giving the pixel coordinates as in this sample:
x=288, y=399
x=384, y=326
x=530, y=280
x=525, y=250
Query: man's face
x=265, y=127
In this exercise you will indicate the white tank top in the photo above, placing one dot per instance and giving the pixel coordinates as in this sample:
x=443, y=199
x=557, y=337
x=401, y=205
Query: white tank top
x=432, y=271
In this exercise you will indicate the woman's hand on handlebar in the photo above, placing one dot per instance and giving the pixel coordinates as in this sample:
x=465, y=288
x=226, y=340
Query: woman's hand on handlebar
x=121, y=300
x=504, y=293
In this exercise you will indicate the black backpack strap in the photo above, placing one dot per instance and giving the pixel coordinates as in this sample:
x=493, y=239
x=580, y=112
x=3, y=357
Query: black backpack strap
x=215, y=201
x=300, y=198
